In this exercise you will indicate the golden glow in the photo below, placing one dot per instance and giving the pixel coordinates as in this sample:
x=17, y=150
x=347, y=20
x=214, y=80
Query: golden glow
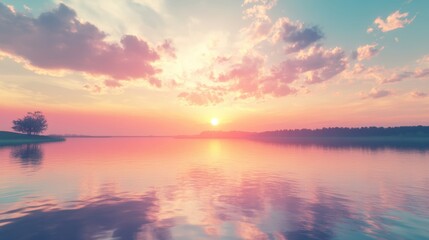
x=214, y=121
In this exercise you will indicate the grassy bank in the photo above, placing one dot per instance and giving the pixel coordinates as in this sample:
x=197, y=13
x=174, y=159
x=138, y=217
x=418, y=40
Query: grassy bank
x=10, y=138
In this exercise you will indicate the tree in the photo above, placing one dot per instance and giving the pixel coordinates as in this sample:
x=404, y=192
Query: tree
x=32, y=124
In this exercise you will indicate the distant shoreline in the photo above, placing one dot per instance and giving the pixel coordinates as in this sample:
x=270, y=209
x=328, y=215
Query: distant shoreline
x=11, y=139
x=310, y=138
x=408, y=133
x=89, y=136
x=324, y=140
x=402, y=132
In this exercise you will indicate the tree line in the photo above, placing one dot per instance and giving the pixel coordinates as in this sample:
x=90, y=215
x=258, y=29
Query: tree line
x=403, y=131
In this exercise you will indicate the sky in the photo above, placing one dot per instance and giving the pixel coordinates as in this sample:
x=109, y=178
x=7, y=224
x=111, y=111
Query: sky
x=161, y=67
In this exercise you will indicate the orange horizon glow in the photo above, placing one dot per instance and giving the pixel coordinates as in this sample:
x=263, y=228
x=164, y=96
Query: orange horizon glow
x=112, y=123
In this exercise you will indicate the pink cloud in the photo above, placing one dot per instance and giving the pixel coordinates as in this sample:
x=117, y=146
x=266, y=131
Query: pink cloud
x=244, y=77
x=222, y=59
x=250, y=74
x=201, y=98
x=258, y=30
x=260, y=26
x=259, y=8
x=367, y=51
x=378, y=93
x=11, y=8
x=112, y=83
x=58, y=40
x=321, y=64
x=417, y=94
x=421, y=73
x=167, y=48
x=403, y=75
x=397, y=77
x=250, y=78
x=423, y=60
x=93, y=88
x=393, y=21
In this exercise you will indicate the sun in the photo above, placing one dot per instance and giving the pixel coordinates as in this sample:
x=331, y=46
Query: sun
x=214, y=122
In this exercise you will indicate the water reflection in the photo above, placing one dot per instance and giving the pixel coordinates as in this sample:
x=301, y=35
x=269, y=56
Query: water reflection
x=28, y=154
x=173, y=189
x=112, y=217
x=105, y=217
x=416, y=144
x=266, y=207
x=255, y=207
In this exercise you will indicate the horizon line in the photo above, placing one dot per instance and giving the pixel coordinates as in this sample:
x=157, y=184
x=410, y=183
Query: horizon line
x=220, y=131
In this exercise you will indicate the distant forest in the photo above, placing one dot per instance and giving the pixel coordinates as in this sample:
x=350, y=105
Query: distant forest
x=405, y=131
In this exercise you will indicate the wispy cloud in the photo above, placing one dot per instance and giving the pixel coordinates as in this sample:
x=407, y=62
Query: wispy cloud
x=418, y=94
x=403, y=75
x=378, y=93
x=399, y=76
x=201, y=98
x=393, y=21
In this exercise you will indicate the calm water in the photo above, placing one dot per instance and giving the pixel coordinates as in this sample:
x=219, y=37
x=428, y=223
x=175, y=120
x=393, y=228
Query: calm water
x=136, y=188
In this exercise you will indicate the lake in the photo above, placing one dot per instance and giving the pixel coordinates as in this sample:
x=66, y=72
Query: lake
x=166, y=188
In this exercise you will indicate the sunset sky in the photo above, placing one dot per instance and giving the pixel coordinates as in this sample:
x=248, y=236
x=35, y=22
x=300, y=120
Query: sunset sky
x=144, y=67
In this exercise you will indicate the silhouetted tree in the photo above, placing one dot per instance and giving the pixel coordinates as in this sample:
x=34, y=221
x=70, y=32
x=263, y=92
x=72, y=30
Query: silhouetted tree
x=33, y=123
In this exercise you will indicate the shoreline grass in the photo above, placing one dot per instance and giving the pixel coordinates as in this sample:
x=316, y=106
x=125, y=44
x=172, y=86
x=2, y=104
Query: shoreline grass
x=11, y=138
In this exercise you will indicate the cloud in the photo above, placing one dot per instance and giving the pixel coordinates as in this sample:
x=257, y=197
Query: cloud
x=259, y=8
x=378, y=93
x=112, y=83
x=400, y=76
x=417, y=94
x=393, y=21
x=244, y=77
x=397, y=77
x=58, y=40
x=27, y=9
x=260, y=26
x=135, y=17
x=366, y=52
x=251, y=78
x=421, y=73
x=200, y=98
x=167, y=48
x=423, y=60
x=321, y=64
x=370, y=30
x=250, y=73
x=394, y=75
x=295, y=34
x=11, y=8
